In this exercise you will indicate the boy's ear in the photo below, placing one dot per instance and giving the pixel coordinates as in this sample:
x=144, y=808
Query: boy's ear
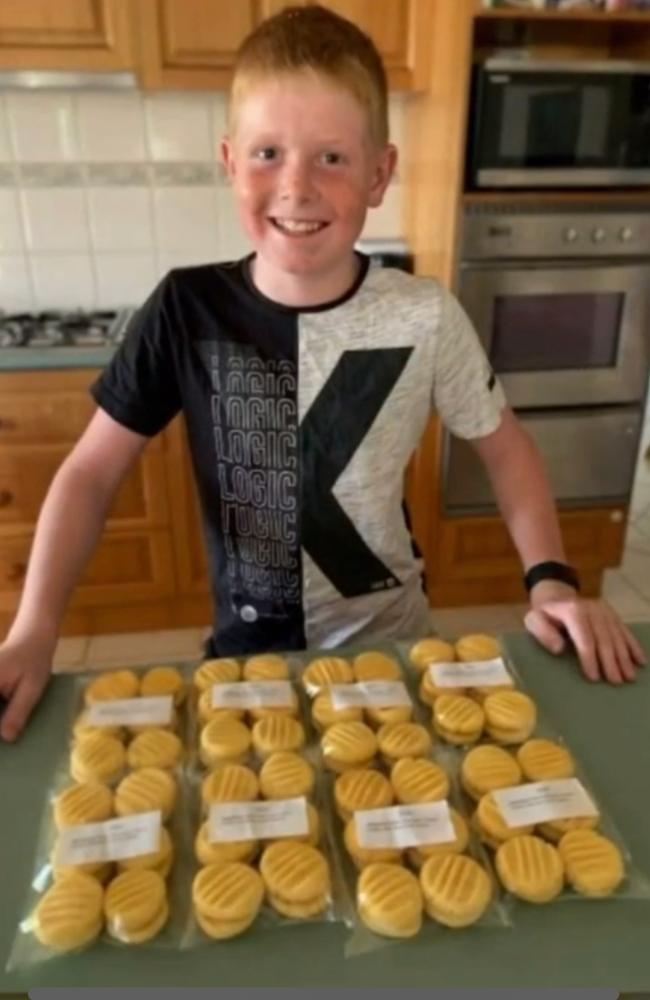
x=383, y=170
x=228, y=157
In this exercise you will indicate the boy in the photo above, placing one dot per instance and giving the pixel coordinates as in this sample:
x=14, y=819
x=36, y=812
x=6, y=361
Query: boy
x=306, y=379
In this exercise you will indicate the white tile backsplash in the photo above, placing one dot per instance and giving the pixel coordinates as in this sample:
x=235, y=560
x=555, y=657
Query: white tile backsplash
x=63, y=281
x=42, y=127
x=121, y=218
x=111, y=127
x=179, y=127
x=11, y=226
x=55, y=219
x=115, y=214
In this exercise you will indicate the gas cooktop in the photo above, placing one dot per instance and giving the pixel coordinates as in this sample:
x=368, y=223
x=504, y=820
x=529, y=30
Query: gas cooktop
x=64, y=329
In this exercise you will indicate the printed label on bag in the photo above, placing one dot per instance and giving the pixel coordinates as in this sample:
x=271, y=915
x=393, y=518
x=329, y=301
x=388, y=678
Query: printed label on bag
x=369, y=694
x=405, y=826
x=474, y=673
x=113, y=840
x=154, y=711
x=541, y=801
x=253, y=694
x=229, y=821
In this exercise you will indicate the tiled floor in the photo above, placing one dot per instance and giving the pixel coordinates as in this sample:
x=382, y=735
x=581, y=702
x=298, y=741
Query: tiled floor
x=627, y=588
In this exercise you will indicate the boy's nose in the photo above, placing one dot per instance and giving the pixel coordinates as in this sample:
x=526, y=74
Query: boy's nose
x=297, y=183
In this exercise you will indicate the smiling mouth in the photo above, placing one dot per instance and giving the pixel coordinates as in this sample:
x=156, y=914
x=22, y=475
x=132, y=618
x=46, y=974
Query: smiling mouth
x=297, y=227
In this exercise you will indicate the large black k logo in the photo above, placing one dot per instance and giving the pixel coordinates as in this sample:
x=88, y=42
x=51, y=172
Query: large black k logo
x=332, y=430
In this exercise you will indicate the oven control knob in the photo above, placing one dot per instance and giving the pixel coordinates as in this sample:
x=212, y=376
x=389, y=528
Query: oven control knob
x=570, y=235
x=625, y=234
x=598, y=234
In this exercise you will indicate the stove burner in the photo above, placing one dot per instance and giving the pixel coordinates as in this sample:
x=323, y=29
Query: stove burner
x=64, y=329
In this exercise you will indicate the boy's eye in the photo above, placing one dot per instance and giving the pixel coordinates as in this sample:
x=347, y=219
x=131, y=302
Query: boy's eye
x=332, y=158
x=266, y=153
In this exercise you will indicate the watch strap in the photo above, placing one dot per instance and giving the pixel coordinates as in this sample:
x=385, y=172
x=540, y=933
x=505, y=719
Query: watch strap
x=551, y=571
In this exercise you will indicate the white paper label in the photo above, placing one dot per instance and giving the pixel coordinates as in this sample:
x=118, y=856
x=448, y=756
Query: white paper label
x=405, y=826
x=111, y=841
x=154, y=711
x=475, y=673
x=253, y=694
x=369, y=694
x=229, y=821
x=541, y=801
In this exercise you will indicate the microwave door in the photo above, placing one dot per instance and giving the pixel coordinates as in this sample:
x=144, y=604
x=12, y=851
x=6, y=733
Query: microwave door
x=562, y=335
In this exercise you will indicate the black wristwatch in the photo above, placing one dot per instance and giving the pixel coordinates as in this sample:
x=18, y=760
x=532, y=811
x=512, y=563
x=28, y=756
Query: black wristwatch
x=551, y=571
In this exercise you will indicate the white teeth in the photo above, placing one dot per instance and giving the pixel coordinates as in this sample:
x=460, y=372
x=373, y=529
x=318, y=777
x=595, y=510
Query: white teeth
x=297, y=226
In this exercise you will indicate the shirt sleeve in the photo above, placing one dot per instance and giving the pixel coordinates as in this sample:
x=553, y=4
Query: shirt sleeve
x=466, y=392
x=139, y=388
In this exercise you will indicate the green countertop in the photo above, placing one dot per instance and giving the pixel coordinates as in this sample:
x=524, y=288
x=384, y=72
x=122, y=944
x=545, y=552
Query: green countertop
x=574, y=943
x=25, y=359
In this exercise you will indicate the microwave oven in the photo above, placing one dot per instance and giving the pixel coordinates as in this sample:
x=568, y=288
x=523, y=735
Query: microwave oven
x=538, y=124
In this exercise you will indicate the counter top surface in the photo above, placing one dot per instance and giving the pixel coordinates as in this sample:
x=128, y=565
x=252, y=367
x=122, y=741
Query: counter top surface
x=24, y=359
x=571, y=943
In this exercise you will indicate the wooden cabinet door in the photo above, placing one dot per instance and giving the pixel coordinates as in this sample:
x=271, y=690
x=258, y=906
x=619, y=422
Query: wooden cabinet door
x=188, y=44
x=66, y=35
x=187, y=527
x=192, y=43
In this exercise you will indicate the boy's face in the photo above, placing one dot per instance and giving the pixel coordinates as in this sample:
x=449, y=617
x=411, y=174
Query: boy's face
x=304, y=171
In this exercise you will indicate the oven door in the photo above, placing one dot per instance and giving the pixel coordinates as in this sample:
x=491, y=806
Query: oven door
x=589, y=456
x=562, y=334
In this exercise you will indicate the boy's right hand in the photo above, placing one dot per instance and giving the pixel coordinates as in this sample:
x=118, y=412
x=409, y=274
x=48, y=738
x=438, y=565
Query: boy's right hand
x=25, y=668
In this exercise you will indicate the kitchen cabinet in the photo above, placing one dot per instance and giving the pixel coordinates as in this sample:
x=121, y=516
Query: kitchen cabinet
x=192, y=44
x=66, y=35
x=147, y=570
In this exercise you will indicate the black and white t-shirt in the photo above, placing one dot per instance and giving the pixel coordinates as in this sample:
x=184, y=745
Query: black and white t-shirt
x=301, y=423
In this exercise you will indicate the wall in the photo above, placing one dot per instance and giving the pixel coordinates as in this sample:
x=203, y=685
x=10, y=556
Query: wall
x=102, y=193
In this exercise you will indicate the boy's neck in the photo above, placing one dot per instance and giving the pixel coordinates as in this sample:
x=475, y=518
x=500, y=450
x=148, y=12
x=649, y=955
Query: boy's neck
x=298, y=290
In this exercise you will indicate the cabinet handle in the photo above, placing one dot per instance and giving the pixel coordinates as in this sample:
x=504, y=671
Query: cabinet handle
x=6, y=498
x=17, y=572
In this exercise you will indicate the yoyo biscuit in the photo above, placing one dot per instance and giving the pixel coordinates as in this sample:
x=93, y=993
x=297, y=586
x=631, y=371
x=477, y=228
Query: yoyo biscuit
x=510, y=716
x=229, y=783
x=277, y=732
x=286, y=775
x=266, y=667
x=544, y=760
x=154, y=748
x=457, y=719
x=148, y=789
x=487, y=768
x=296, y=877
x=418, y=780
x=210, y=852
x=135, y=906
x=112, y=686
x=403, y=739
x=375, y=666
x=69, y=916
x=348, y=744
x=90, y=802
x=327, y=670
x=530, y=869
x=456, y=889
x=97, y=758
x=477, y=647
x=221, y=671
x=389, y=900
x=224, y=740
x=428, y=651
x=593, y=863
x=361, y=788
x=227, y=897
x=163, y=681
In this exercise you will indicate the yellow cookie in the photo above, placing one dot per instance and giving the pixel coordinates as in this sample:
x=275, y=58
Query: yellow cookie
x=163, y=680
x=207, y=711
x=224, y=740
x=286, y=775
x=487, y=768
x=543, y=760
x=324, y=714
x=457, y=719
x=471, y=648
x=429, y=690
x=266, y=667
x=418, y=855
x=159, y=861
x=361, y=788
x=530, y=868
x=113, y=686
x=277, y=732
x=403, y=739
x=227, y=898
x=510, y=716
x=221, y=671
x=375, y=667
x=418, y=780
x=82, y=728
x=96, y=757
x=456, y=889
x=154, y=748
x=348, y=744
x=135, y=906
x=148, y=789
x=555, y=829
x=296, y=877
x=594, y=865
x=428, y=651
x=229, y=783
x=389, y=900
x=319, y=674
x=378, y=717
x=209, y=852
x=69, y=916
x=78, y=804
x=492, y=827
x=364, y=856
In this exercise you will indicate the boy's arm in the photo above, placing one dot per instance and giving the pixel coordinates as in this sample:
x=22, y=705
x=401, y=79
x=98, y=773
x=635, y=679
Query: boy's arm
x=69, y=526
x=603, y=644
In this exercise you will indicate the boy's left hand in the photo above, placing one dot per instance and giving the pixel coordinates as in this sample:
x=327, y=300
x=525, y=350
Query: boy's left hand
x=603, y=644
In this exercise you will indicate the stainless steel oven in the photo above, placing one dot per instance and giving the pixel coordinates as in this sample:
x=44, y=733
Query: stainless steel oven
x=561, y=302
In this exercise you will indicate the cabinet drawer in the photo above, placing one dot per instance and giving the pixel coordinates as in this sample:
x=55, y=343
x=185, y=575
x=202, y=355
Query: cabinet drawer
x=127, y=567
x=43, y=417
